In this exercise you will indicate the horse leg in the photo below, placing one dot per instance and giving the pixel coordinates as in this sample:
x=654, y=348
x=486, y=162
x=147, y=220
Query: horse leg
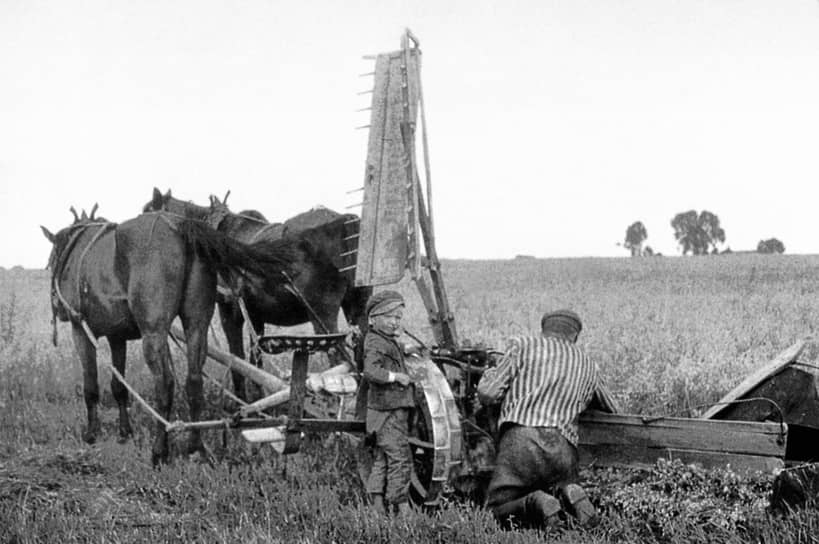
x=158, y=357
x=353, y=304
x=232, y=321
x=255, y=391
x=88, y=357
x=196, y=314
x=325, y=321
x=196, y=335
x=118, y=389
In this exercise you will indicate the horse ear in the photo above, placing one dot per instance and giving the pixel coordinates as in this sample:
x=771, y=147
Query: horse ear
x=72, y=210
x=94, y=210
x=84, y=216
x=224, y=200
x=48, y=234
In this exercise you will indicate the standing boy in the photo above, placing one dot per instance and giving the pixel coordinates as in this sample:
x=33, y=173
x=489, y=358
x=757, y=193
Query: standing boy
x=389, y=402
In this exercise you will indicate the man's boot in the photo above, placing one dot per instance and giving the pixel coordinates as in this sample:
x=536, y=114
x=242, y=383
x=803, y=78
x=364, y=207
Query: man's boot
x=577, y=503
x=543, y=507
x=537, y=509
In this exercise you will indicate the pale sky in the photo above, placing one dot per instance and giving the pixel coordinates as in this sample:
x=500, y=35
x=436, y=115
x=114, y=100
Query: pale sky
x=553, y=125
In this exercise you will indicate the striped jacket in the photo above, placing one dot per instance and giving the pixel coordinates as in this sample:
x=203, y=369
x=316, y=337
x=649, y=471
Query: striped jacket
x=543, y=381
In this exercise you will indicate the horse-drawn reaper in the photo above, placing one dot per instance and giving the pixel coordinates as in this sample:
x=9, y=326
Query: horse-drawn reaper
x=453, y=444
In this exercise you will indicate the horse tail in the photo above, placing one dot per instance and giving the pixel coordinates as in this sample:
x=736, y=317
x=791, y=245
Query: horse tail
x=231, y=258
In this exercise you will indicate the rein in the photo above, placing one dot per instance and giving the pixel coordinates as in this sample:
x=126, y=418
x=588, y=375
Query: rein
x=256, y=237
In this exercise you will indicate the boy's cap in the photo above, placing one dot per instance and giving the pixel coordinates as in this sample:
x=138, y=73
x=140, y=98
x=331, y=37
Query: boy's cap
x=383, y=302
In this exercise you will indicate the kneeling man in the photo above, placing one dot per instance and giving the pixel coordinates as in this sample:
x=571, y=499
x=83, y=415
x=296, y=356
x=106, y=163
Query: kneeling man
x=543, y=382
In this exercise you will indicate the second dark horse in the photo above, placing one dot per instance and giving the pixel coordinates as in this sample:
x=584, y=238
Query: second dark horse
x=131, y=281
x=319, y=287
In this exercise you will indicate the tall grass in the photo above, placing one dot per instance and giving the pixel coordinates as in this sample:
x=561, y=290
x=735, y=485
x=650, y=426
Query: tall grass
x=668, y=333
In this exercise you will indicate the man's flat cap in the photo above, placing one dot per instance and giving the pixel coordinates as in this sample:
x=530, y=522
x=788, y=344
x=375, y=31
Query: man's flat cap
x=565, y=317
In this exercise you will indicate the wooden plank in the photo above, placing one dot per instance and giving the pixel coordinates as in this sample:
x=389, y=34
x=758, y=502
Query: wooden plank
x=741, y=437
x=780, y=361
x=635, y=456
x=384, y=233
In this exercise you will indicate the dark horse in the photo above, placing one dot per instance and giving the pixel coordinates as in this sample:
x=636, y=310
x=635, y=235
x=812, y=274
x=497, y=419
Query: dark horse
x=321, y=286
x=130, y=281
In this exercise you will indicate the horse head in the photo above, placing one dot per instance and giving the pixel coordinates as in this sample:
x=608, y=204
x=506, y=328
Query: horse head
x=158, y=202
x=218, y=210
x=169, y=204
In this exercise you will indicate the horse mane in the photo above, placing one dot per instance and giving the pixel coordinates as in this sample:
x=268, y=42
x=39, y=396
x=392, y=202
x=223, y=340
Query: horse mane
x=225, y=254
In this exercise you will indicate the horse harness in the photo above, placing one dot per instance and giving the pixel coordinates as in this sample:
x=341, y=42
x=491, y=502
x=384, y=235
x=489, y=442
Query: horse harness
x=59, y=263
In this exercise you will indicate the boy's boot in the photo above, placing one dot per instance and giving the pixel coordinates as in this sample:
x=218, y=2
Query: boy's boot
x=378, y=503
x=404, y=508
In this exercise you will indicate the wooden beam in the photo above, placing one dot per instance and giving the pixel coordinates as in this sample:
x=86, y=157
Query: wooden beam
x=615, y=439
x=780, y=361
x=257, y=375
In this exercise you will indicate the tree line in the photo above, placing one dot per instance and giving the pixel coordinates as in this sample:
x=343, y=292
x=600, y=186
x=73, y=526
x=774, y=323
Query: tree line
x=696, y=233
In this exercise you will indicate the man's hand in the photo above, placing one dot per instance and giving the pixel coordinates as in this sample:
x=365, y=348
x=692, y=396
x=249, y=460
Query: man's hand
x=476, y=404
x=402, y=378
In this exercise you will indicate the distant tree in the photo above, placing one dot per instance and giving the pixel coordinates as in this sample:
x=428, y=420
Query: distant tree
x=635, y=236
x=697, y=233
x=771, y=245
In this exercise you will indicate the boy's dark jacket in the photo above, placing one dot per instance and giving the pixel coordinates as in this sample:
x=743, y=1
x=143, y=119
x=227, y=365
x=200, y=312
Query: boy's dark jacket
x=382, y=355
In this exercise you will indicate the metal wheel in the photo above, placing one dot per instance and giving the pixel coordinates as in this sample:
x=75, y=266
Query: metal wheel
x=435, y=434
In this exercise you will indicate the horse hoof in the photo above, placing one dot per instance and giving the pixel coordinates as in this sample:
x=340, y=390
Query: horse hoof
x=89, y=437
x=158, y=459
x=202, y=456
x=125, y=432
